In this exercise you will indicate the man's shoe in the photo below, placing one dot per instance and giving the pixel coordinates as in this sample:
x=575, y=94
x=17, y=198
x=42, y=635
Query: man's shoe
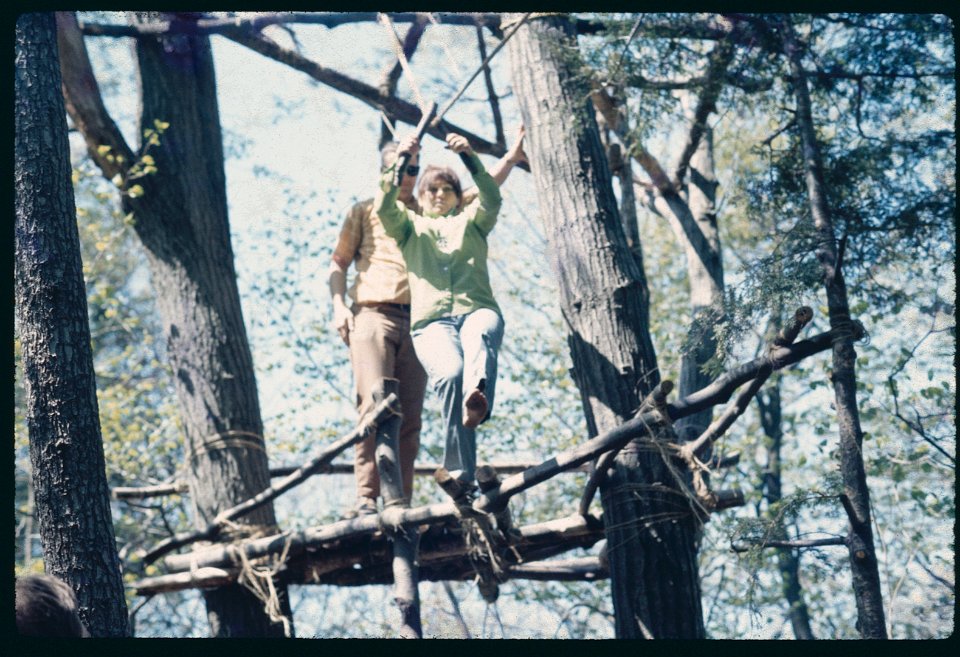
x=474, y=409
x=364, y=506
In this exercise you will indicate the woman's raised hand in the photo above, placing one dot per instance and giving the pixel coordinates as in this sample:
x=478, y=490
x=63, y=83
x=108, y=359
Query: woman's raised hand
x=458, y=143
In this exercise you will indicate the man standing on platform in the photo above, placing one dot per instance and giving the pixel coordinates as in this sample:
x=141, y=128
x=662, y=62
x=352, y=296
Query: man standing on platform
x=377, y=327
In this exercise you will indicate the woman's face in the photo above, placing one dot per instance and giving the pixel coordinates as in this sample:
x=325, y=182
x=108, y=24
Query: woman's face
x=438, y=198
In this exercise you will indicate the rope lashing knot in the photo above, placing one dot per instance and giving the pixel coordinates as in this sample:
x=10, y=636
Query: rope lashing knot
x=847, y=329
x=226, y=440
x=259, y=580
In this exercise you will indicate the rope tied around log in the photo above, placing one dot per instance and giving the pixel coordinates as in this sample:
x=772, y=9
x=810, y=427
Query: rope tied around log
x=258, y=578
x=234, y=531
x=484, y=556
x=845, y=328
x=225, y=440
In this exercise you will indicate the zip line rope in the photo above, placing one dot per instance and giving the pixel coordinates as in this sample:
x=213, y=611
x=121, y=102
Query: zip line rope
x=454, y=64
x=483, y=64
x=402, y=58
x=405, y=65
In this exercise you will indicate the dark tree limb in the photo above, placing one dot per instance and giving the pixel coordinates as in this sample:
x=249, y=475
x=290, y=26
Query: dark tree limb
x=657, y=399
x=391, y=106
x=722, y=388
x=491, y=91
x=719, y=426
x=383, y=410
x=85, y=104
x=798, y=544
x=424, y=469
x=257, y=22
x=719, y=61
x=391, y=75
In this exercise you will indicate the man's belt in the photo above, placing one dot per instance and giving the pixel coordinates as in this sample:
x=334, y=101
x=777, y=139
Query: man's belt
x=405, y=307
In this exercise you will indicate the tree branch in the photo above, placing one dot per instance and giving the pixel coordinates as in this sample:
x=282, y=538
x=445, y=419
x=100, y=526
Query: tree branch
x=719, y=61
x=720, y=390
x=719, y=426
x=85, y=103
x=391, y=106
x=381, y=412
x=259, y=21
x=491, y=92
x=799, y=544
x=421, y=470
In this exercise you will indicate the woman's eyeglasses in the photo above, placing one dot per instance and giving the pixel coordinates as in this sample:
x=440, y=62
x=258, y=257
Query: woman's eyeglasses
x=413, y=170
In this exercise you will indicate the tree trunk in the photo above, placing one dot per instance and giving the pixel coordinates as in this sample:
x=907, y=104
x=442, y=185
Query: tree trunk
x=863, y=557
x=604, y=299
x=181, y=219
x=705, y=274
x=788, y=559
x=66, y=448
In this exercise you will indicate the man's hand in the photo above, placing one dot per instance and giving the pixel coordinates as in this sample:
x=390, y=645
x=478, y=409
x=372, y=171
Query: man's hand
x=458, y=143
x=516, y=153
x=342, y=320
x=409, y=144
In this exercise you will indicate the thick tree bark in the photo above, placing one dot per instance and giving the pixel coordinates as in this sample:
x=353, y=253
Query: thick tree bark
x=650, y=525
x=181, y=219
x=863, y=557
x=66, y=448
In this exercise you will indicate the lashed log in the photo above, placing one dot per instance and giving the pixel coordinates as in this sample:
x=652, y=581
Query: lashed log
x=657, y=399
x=181, y=487
x=383, y=410
x=219, y=555
x=442, y=555
x=584, y=569
x=642, y=425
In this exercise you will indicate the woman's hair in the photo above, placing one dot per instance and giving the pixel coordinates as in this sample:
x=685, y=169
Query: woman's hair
x=433, y=173
x=46, y=606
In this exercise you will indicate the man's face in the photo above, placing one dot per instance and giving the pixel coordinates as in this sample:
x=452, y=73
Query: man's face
x=409, y=180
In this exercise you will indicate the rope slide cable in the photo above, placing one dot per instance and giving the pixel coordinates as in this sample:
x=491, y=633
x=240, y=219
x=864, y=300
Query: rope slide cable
x=405, y=65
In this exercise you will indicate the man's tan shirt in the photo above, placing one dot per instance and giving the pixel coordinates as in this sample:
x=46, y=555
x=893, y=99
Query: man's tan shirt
x=381, y=272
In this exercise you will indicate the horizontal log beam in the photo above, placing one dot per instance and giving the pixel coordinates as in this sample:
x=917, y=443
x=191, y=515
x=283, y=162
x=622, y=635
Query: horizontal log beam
x=423, y=470
x=378, y=414
x=584, y=569
x=442, y=554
